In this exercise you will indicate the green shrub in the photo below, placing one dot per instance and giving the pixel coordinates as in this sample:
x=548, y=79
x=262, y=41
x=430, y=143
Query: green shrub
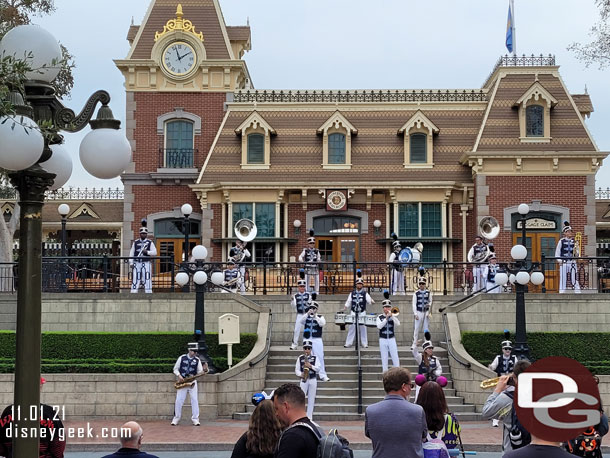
x=90, y=352
x=592, y=349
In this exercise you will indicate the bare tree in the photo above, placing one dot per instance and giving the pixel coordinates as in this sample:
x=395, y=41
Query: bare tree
x=598, y=50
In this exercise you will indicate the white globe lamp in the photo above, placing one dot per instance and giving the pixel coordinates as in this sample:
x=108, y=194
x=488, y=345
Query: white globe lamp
x=186, y=209
x=105, y=153
x=60, y=164
x=200, y=253
x=218, y=278
x=512, y=279
x=200, y=277
x=182, y=278
x=523, y=277
x=537, y=278
x=523, y=209
x=296, y=223
x=63, y=210
x=501, y=278
x=518, y=252
x=21, y=142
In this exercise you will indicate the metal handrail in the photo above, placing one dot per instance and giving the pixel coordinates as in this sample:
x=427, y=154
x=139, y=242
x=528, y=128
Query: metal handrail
x=267, y=343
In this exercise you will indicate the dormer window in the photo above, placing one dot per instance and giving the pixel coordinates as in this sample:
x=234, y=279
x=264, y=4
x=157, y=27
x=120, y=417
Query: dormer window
x=418, y=132
x=337, y=134
x=535, y=114
x=255, y=142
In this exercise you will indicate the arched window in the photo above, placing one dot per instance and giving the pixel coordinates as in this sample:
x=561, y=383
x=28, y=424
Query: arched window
x=418, y=148
x=256, y=149
x=336, y=149
x=179, y=144
x=534, y=121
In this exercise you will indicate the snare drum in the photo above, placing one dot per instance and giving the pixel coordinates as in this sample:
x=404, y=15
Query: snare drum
x=340, y=318
x=370, y=320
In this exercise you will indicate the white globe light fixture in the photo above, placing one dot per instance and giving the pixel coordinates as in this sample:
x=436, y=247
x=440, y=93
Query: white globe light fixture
x=512, y=279
x=200, y=253
x=501, y=278
x=105, y=153
x=37, y=47
x=296, y=223
x=200, y=277
x=537, y=278
x=377, y=224
x=186, y=209
x=523, y=277
x=518, y=252
x=63, y=210
x=182, y=278
x=523, y=209
x=21, y=142
x=218, y=278
x=60, y=164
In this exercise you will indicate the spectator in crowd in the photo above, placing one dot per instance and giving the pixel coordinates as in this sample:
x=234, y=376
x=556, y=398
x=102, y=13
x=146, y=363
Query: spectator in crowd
x=52, y=438
x=441, y=423
x=396, y=427
x=131, y=442
x=301, y=437
x=539, y=448
x=260, y=441
x=590, y=440
x=499, y=404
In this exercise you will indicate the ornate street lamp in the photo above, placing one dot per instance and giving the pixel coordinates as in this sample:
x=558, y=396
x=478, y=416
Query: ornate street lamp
x=36, y=164
x=186, y=211
x=520, y=277
x=200, y=278
x=63, y=210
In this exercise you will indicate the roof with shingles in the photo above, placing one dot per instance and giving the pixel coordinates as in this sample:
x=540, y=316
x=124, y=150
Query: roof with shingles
x=238, y=32
x=583, y=102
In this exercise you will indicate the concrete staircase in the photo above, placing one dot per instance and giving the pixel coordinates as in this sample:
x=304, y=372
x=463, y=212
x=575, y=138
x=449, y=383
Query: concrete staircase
x=337, y=399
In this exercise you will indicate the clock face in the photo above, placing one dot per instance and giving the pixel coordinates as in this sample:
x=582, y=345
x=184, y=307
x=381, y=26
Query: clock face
x=336, y=200
x=179, y=58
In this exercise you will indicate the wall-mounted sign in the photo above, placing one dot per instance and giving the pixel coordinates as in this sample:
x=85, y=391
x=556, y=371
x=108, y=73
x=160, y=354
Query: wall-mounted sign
x=538, y=223
x=336, y=199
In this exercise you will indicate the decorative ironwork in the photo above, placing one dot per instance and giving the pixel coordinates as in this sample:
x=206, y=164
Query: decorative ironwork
x=177, y=158
x=523, y=61
x=66, y=119
x=602, y=193
x=179, y=24
x=85, y=194
x=372, y=96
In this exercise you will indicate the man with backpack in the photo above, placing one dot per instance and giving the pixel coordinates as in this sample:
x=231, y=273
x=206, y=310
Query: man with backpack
x=499, y=404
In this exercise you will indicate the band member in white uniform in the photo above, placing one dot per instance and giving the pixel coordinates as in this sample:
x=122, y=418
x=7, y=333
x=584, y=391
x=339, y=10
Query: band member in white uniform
x=565, y=254
x=300, y=301
x=429, y=365
x=398, y=270
x=478, y=254
x=386, y=324
x=240, y=254
x=503, y=364
x=489, y=273
x=357, y=301
x=422, y=308
x=141, y=267
x=232, y=277
x=311, y=257
x=309, y=382
x=186, y=366
x=313, y=324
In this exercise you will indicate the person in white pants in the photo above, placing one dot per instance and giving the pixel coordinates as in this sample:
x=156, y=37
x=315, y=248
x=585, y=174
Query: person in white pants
x=311, y=257
x=564, y=253
x=489, y=273
x=186, y=366
x=309, y=383
x=357, y=301
x=477, y=253
x=387, y=340
x=139, y=260
x=300, y=301
x=398, y=270
x=422, y=308
x=313, y=324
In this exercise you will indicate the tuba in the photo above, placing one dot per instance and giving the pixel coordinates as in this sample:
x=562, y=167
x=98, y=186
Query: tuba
x=245, y=230
x=489, y=229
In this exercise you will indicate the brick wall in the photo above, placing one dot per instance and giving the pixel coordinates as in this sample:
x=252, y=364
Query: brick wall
x=217, y=231
x=150, y=105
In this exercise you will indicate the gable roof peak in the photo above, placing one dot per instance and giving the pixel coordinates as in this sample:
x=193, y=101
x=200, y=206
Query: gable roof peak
x=537, y=92
x=418, y=120
x=337, y=119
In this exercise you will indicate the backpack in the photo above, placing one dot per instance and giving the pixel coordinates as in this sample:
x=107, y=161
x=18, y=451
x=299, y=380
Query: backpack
x=587, y=444
x=332, y=445
x=519, y=436
x=435, y=448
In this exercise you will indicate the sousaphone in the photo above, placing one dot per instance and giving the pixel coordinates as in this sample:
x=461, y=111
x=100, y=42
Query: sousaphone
x=245, y=230
x=489, y=229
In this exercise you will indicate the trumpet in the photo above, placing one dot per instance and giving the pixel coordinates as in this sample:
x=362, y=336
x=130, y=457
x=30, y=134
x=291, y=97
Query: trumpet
x=489, y=383
x=395, y=311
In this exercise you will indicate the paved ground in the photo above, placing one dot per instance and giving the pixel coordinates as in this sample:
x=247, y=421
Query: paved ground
x=161, y=454
x=221, y=435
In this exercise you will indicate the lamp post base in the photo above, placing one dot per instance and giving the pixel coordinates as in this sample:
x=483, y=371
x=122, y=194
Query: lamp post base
x=202, y=353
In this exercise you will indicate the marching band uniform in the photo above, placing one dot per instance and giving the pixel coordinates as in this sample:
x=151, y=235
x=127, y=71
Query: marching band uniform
x=433, y=370
x=311, y=257
x=477, y=253
x=187, y=365
x=231, y=274
x=503, y=364
x=567, y=266
x=422, y=307
x=313, y=324
x=398, y=270
x=310, y=385
x=240, y=253
x=387, y=339
x=141, y=268
x=489, y=273
x=300, y=301
x=357, y=301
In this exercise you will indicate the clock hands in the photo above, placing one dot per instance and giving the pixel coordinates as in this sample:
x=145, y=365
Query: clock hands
x=184, y=55
x=177, y=55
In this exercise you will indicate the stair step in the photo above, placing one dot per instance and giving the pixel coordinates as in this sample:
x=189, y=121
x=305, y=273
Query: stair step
x=323, y=390
x=347, y=377
x=338, y=368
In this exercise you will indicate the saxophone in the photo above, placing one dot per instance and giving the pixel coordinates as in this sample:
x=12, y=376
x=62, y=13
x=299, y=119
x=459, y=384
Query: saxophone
x=189, y=381
x=305, y=375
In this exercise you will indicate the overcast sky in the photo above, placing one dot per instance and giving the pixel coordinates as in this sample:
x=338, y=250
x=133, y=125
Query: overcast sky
x=349, y=44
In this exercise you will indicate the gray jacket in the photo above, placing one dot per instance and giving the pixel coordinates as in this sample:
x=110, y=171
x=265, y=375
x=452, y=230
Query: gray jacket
x=499, y=405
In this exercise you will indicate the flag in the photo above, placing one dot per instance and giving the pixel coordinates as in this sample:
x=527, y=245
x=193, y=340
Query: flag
x=510, y=29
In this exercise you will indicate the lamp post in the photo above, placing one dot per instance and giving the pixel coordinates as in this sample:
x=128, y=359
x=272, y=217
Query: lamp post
x=37, y=163
x=520, y=276
x=200, y=278
x=63, y=210
x=297, y=227
x=186, y=211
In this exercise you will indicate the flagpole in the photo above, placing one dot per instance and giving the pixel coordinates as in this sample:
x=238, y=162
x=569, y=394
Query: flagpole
x=512, y=7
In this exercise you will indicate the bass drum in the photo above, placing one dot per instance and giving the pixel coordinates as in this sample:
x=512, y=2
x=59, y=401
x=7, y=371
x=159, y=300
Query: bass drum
x=409, y=256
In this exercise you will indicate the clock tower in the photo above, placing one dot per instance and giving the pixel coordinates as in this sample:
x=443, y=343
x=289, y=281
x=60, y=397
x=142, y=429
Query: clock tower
x=182, y=64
